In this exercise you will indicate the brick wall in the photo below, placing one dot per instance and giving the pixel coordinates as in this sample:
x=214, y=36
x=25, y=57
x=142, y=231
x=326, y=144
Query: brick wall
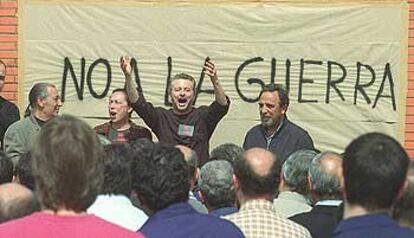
x=8, y=46
x=409, y=130
x=8, y=53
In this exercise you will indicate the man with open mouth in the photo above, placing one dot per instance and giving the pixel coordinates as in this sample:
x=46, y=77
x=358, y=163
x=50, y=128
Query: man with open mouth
x=120, y=128
x=183, y=123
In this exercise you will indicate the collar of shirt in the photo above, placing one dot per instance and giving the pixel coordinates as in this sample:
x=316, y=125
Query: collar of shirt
x=257, y=204
x=334, y=203
x=288, y=195
x=370, y=221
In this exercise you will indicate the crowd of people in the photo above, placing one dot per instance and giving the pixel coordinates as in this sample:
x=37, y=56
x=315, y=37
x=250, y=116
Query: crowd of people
x=61, y=178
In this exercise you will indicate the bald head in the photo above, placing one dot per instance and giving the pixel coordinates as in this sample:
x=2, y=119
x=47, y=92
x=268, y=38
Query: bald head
x=16, y=201
x=331, y=164
x=326, y=175
x=258, y=173
x=260, y=160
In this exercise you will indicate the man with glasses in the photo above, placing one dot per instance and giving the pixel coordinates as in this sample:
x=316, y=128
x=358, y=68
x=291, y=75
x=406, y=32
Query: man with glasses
x=9, y=112
x=276, y=133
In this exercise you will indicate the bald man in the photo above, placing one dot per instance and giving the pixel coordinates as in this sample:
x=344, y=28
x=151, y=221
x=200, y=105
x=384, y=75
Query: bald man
x=16, y=201
x=9, y=112
x=256, y=180
x=326, y=184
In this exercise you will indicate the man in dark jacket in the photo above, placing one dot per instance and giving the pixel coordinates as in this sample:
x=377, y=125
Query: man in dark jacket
x=9, y=112
x=120, y=128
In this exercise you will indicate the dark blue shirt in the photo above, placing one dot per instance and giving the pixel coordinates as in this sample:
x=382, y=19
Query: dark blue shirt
x=223, y=211
x=378, y=225
x=181, y=220
x=288, y=139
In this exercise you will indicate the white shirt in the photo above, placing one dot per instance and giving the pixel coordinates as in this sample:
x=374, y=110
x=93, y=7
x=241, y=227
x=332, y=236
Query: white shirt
x=119, y=210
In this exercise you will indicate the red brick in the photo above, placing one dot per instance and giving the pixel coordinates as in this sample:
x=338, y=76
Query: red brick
x=8, y=4
x=8, y=54
x=409, y=111
x=12, y=29
x=10, y=62
x=11, y=71
x=8, y=11
x=8, y=21
x=8, y=37
x=10, y=95
x=10, y=87
x=8, y=46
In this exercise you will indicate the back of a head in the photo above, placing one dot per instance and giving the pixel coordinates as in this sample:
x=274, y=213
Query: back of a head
x=258, y=172
x=190, y=156
x=67, y=164
x=16, y=201
x=24, y=172
x=117, y=176
x=374, y=168
x=6, y=168
x=295, y=170
x=160, y=176
x=325, y=173
x=216, y=184
x=229, y=151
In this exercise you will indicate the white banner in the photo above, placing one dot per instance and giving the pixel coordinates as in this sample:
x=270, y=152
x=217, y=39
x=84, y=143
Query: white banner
x=344, y=64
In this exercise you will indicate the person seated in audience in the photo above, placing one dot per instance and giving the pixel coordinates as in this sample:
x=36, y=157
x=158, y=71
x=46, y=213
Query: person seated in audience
x=294, y=190
x=256, y=180
x=217, y=188
x=68, y=169
x=16, y=201
x=44, y=104
x=325, y=176
x=23, y=173
x=374, y=169
x=403, y=211
x=120, y=128
x=6, y=168
x=161, y=182
x=113, y=204
x=228, y=151
x=191, y=158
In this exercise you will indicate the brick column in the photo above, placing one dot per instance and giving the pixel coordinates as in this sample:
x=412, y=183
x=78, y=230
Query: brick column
x=8, y=46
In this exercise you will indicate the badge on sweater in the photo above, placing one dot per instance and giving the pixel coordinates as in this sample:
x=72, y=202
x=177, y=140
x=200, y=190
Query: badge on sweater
x=185, y=130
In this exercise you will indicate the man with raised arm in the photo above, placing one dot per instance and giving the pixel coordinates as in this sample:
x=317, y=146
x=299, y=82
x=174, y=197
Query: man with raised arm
x=183, y=123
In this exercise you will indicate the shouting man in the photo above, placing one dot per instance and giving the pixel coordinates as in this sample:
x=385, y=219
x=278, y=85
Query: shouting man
x=182, y=124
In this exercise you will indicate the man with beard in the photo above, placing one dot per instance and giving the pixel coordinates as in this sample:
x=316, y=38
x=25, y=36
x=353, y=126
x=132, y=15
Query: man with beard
x=276, y=133
x=120, y=129
x=183, y=124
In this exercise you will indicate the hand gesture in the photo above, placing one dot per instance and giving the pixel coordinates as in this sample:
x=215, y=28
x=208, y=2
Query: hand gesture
x=211, y=71
x=125, y=63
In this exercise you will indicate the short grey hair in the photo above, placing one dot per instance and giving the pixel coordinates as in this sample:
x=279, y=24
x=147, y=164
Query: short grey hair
x=216, y=183
x=228, y=151
x=295, y=170
x=323, y=184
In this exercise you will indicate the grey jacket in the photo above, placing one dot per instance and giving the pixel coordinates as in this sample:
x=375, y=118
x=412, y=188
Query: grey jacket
x=19, y=137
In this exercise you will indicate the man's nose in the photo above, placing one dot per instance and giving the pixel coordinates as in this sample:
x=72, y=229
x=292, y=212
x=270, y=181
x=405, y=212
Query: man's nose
x=60, y=103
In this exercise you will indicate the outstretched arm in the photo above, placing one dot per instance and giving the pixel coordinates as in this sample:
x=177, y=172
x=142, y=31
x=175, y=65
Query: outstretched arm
x=130, y=86
x=211, y=71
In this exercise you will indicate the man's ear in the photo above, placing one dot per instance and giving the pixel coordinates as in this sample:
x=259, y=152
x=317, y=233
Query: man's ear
x=236, y=183
x=282, y=183
x=40, y=102
x=402, y=189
